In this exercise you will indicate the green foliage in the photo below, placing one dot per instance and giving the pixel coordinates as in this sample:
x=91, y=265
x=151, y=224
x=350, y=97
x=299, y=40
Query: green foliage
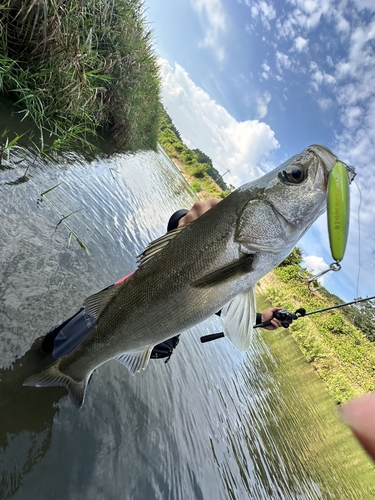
x=202, y=157
x=334, y=341
x=362, y=315
x=287, y=273
x=81, y=68
x=195, y=169
x=295, y=257
x=196, y=186
x=194, y=161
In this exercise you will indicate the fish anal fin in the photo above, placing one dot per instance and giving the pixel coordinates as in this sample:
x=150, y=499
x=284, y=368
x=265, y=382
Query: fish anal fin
x=52, y=376
x=234, y=270
x=135, y=361
x=239, y=316
x=97, y=302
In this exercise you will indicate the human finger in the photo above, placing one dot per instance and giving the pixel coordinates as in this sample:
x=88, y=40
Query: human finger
x=359, y=415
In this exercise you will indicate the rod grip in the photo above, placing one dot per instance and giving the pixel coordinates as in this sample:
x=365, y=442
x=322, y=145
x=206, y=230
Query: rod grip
x=213, y=336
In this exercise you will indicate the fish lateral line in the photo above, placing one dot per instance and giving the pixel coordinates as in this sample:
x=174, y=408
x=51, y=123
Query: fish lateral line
x=227, y=273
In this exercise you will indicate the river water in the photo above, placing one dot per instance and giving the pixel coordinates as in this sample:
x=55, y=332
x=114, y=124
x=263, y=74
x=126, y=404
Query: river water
x=211, y=424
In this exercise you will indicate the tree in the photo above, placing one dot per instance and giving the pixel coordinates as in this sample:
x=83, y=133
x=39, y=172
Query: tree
x=295, y=257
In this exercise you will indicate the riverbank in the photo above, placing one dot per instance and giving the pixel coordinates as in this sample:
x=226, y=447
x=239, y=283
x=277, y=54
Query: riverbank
x=78, y=70
x=194, y=165
x=338, y=351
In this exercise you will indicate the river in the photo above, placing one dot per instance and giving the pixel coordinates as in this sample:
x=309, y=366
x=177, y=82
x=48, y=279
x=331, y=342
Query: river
x=211, y=424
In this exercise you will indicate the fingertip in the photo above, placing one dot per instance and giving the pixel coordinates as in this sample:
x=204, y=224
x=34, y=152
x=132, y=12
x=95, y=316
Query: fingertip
x=359, y=415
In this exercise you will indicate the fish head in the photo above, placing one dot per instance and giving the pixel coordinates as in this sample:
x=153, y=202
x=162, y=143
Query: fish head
x=286, y=201
x=298, y=190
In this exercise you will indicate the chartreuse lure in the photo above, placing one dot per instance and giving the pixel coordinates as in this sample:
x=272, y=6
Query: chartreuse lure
x=338, y=205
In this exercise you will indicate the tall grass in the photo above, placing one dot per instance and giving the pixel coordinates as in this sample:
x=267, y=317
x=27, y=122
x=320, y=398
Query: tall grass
x=81, y=68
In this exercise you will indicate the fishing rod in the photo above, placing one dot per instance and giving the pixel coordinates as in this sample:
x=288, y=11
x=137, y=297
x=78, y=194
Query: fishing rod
x=286, y=318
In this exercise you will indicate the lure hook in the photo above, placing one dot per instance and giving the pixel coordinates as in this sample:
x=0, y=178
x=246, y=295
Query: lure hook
x=335, y=266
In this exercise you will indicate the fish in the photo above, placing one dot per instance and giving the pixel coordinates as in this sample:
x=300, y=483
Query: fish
x=210, y=264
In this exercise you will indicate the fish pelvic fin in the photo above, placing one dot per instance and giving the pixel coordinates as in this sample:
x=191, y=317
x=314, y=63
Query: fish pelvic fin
x=239, y=317
x=52, y=376
x=135, y=361
x=234, y=270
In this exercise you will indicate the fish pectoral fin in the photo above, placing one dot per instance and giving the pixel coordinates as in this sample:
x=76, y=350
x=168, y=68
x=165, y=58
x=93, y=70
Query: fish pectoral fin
x=239, y=317
x=273, y=246
x=52, y=376
x=234, y=270
x=97, y=302
x=135, y=361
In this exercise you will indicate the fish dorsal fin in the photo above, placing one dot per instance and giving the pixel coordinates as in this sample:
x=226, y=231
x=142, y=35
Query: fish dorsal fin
x=95, y=304
x=234, y=270
x=239, y=317
x=156, y=246
x=135, y=361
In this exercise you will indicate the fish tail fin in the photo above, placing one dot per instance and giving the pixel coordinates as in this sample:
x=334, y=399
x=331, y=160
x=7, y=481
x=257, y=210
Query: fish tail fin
x=52, y=376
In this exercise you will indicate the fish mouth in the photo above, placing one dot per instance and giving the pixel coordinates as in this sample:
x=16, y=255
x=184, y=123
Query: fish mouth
x=326, y=164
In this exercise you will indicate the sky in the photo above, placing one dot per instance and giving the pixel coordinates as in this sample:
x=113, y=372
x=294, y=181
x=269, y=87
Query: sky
x=252, y=83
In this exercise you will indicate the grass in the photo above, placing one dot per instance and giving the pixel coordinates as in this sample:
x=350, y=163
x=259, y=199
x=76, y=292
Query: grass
x=340, y=353
x=196, y=167
x=79, y=69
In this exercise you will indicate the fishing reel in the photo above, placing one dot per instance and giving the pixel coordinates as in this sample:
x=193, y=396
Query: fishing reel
x=284, y=316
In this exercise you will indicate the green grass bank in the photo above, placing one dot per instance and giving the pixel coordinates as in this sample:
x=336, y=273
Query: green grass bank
x=195, y=165
x=79, y=69
x=342, y=354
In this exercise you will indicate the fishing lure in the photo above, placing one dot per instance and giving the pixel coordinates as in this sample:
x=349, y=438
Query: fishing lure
x=338, y=205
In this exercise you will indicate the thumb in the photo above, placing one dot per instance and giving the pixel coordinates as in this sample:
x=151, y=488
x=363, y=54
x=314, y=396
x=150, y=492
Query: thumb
x=359, y=415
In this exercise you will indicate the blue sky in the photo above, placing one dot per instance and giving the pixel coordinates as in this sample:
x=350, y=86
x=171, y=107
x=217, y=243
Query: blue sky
x=252, y=83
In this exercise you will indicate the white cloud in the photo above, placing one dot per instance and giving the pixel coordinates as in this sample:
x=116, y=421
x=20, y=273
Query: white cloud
x=264, y=11
x=213, y=20
x=325, y=103
x=266, y=71
x=204, y=124
x=282, y=61
x=300, y=43
x=262, y=104
x=307, y=13
x=365, y=4
x=316, y=265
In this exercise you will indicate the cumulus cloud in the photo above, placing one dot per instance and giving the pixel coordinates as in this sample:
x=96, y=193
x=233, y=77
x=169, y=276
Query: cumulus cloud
x=212, y=16
x=204, y=124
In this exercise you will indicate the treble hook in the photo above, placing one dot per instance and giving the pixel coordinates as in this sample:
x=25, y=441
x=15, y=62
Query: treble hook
x=335, y=266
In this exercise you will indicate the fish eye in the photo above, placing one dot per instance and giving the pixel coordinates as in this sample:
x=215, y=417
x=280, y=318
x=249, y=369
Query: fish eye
x=294, y=175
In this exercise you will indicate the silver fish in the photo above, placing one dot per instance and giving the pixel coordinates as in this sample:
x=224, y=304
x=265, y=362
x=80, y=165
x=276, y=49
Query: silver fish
x=190, y=273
